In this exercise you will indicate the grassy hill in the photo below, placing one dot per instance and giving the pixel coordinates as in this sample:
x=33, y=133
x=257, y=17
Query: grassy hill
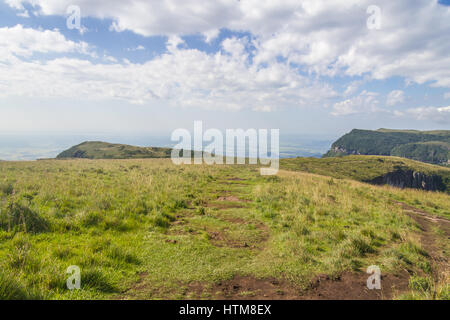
x=366, y=168
x=426, y=146
x=147, y=229
x=104, y=150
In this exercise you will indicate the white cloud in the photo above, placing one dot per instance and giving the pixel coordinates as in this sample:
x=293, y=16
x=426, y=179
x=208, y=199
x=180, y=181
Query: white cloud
x=436, y=114
x=395, y=97
x=180, y=77
x=236, y=47
x=110, y=59
x=319, y=38
x=24, y=42
x=173, y=42
x=352, y=88
x=364, y=102
x=16, y=4
x=263, y=108
x=23, y=14
x=327, y=37
x=115, y=27
x=138, y=48
x=211, y=35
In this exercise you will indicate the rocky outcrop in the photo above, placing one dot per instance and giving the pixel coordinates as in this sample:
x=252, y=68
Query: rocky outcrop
x=410, y=179
x=340, y=150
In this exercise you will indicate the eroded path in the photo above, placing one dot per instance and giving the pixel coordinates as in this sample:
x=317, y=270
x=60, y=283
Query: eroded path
x=434, y=237
x=228, y=225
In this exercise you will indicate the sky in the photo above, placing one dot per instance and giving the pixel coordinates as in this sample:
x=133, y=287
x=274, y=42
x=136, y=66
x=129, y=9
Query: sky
x=304, y=67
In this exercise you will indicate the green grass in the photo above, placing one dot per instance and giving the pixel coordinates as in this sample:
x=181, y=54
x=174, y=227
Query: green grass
x=425, y=288
x=148, y=228
x=364, y=168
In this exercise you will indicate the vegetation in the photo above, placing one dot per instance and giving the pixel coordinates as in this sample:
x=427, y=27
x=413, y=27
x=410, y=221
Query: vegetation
x=104, y=150
x=364, y=168
x=148, y=228
x=425, y=288
x=426, y=146
x=434, y=152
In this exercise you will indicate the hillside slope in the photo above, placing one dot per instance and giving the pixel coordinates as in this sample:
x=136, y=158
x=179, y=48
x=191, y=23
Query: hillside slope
x=425, y=146
x=104, y=150
x=394, y=171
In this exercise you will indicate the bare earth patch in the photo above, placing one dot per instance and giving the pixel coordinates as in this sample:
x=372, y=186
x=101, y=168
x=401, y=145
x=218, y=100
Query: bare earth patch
x=222, y=239
x=227, y=202
x=353, y=286
x=428, y=238
x=347, y=286
x=232, y=199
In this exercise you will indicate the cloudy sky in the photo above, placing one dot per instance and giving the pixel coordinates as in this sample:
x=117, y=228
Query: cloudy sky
x=303, y=66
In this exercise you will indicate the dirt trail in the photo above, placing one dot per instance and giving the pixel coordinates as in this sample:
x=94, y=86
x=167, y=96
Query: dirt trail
x=353, y=286
x=348, y=286
x=220, y=238
x=429, y=239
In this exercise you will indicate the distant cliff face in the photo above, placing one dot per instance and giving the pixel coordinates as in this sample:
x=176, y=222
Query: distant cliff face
x=411, y=179
x=426, y=146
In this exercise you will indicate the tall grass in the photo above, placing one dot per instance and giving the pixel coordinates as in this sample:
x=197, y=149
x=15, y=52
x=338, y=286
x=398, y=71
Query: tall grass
x=119, y=219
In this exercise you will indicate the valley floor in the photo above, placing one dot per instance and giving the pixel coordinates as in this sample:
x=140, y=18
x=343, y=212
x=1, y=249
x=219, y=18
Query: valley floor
x=146, y=229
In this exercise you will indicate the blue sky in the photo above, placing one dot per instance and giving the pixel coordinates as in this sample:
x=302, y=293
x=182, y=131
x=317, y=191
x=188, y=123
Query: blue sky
x=154, y=66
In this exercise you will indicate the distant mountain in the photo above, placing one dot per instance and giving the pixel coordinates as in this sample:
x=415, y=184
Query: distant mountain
x=104, y=150
x=426, y=146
